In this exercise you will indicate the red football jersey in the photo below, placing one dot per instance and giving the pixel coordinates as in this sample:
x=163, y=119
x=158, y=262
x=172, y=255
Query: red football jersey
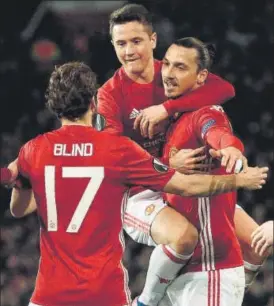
x=80, y=177
x=121, y=99
x=218, y=246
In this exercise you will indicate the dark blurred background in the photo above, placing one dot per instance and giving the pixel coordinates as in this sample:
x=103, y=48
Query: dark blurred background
x=37, y=35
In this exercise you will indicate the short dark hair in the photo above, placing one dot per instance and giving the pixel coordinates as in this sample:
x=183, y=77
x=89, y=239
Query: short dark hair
x=128, y=13
x=70, y=90
x=206, y=52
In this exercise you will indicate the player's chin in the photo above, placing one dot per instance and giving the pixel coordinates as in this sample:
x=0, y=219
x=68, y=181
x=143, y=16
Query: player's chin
x=171, y=95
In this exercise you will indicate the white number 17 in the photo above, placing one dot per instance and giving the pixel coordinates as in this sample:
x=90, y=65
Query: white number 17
x=96, y=175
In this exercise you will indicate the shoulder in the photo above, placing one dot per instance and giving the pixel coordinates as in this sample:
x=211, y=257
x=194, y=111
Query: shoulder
x=210, y=109
x=39, y=142
x=123, y=144
x=113, y=84
x=32, y=144
x=209, y=113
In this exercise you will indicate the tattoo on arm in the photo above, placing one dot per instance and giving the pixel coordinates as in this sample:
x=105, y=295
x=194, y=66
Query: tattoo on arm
x=222, y=184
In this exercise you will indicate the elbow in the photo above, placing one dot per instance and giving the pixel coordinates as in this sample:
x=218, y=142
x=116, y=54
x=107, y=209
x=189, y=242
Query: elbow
x=230, y=91
x=16, y=214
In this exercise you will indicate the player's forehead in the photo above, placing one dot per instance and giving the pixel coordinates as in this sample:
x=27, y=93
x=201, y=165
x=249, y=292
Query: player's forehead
x=129, y=31
x=179, y=54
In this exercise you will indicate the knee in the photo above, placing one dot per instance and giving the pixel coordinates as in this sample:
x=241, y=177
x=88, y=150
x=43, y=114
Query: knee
x=186, y=239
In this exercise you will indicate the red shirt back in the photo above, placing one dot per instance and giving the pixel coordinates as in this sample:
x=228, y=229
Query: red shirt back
x=218, y=247
x=80, y=177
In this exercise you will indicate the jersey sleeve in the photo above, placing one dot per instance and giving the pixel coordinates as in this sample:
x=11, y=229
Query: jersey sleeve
x=138, y=167
x=215, y=91
x=109, y=108
x=213, y=127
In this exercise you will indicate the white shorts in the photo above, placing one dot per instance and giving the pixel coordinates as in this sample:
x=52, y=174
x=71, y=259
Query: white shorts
x=32, y=304
x=140, y=212
x=224, y=287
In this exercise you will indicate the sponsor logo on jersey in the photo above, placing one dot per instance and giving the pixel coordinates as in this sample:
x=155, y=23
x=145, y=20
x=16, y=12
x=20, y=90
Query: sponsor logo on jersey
x=159, y=166
x=160, y=138
x=149, y=209
x=134, y=114
x=207, y=126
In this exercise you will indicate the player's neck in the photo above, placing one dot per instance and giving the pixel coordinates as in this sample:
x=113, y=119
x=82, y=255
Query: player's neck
x=85, y=121
x=144, y=77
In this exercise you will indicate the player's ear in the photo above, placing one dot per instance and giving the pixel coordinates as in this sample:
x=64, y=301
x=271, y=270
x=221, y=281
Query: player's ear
x=202, y=76
x=153, y=40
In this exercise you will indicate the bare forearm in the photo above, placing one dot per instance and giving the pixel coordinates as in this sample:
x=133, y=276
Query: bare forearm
x=22, y=202
x=208, y=185
x=202, y=185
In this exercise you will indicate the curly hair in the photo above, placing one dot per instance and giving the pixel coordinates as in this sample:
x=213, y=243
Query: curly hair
x=70, y=90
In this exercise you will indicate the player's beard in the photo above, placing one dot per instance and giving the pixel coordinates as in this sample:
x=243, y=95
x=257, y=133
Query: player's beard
x=172, y=97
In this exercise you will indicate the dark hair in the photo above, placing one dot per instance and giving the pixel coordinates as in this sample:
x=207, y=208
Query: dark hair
x=128, y=13
x=206, y=52
x=70, y=90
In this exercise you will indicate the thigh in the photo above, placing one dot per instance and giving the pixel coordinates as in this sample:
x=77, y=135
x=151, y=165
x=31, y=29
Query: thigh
x=244, y=227
x=140, y=212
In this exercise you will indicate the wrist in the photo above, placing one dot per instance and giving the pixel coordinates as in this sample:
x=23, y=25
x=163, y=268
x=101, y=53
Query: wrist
x=229, y=140
x=167, y=105
x=172, y=163
x=240, y=182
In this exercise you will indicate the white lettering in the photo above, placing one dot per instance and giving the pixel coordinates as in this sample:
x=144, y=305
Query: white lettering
x=76, y=149
x=57, y=149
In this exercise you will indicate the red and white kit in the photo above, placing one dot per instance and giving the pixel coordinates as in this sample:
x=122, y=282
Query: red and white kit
x=80, y=189
x=120, y=101
x=215, y=274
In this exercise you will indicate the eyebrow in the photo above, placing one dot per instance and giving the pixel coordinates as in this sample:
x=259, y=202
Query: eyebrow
x=133, y=38
x=175, y=63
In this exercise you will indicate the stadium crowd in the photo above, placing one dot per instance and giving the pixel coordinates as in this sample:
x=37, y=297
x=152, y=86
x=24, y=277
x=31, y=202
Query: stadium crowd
x=244, y=38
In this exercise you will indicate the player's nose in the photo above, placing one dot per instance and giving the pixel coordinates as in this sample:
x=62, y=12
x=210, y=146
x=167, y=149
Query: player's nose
x=130, y=50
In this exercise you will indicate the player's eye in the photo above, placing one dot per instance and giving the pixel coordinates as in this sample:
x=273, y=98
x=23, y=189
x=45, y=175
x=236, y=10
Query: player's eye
x=136, y=41
x=120, y=43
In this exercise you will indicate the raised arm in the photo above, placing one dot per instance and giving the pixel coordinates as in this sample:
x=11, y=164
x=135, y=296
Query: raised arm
x=215, y=91
x=213, y=127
